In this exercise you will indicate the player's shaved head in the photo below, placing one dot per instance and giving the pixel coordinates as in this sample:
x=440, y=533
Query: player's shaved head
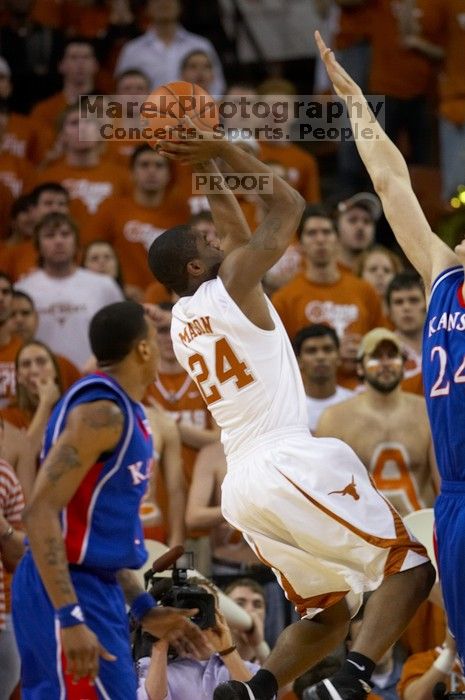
x=169, y=255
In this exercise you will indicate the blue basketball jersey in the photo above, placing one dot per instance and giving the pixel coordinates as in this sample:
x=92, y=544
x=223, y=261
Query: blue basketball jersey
x=444, y=372
x=101, y=524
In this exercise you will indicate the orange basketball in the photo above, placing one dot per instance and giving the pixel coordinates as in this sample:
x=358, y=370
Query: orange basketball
x=166, y=107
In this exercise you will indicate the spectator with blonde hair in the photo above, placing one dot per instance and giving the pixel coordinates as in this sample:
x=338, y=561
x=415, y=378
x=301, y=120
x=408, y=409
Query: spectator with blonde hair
x=378, y=266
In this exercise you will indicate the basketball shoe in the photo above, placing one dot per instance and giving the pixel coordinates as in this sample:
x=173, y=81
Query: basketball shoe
x=233, y=690
x=338, y=687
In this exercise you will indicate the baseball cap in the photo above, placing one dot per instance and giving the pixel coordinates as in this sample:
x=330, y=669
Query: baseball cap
x=373, y=338
x=367, y=200
x=4, y=67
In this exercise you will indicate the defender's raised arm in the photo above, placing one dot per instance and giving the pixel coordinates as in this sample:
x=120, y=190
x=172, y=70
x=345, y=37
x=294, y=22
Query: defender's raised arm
x=389, y=174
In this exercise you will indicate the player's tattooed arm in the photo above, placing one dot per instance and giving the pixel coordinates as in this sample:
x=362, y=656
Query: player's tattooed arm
x=55, y=557
x=91, y=429
x=103, y=414
x=130, y=584
x=267, y=239
x=65, y=459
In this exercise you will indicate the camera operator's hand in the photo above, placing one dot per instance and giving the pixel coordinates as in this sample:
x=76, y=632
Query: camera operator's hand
x=174, y=625
x=219, y=637
x=82, y=650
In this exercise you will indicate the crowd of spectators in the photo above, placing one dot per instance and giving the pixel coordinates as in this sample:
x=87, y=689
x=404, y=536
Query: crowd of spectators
x=77, y=216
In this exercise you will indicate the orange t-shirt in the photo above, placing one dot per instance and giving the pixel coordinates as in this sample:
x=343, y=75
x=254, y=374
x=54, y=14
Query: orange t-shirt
x=301, y=166
x=350, y=305
x=120, y=152
x=46, y=112
x=18, y=139
x=88, y=188
x=15, y=173
x=413, y=378
x=90, y=21
x=16, y=416
x=354, y=24
x=7, y=369
x=19, y=259
x=69, y=372
x=426, y=629
x=445, y=18
x=418, y=664
x=131, y=228
x=156, y=293
x=48, y=12
x=6, y=200
x=396, y=71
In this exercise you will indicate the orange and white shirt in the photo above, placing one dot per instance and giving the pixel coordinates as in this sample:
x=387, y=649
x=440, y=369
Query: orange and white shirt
x=8, y=354
x=413, y=379
x=18, y=138
x=19, y=259
x=11, y=507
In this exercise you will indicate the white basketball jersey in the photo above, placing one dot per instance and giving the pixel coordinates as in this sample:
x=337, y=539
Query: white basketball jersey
x=248, y=376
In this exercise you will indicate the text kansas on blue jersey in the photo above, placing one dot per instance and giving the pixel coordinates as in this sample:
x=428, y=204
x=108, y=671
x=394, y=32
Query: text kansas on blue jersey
x=444, y=372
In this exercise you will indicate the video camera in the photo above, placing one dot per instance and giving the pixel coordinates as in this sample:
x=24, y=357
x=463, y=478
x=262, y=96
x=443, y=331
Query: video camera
x=175, y=592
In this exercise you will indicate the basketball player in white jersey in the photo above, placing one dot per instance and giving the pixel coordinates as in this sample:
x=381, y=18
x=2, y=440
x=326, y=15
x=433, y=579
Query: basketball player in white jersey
x=305, y=505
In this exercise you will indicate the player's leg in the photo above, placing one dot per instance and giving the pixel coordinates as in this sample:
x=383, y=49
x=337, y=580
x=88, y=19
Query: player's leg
x=402, y=594
x=103, y=605
x=388, y=612
x=37, y=637
x=449, y=511
x=299, y=646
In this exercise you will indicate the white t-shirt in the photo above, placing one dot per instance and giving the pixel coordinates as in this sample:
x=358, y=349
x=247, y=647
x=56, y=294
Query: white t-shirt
x=315, y=407
x=65, y=306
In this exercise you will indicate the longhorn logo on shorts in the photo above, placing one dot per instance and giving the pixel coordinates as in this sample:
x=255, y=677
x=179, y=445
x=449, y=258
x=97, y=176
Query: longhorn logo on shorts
x=349, y=490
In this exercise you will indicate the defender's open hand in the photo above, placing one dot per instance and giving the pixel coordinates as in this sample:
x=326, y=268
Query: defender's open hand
x=341, y=80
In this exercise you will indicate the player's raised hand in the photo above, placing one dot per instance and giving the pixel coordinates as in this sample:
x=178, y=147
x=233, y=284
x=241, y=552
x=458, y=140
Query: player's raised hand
x=195, y=146
x=82, y=651
x=341, y=80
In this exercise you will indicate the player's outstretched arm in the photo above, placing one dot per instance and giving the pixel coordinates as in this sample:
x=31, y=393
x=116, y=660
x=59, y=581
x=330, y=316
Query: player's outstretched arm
x=91, y=430
x=389, y=174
